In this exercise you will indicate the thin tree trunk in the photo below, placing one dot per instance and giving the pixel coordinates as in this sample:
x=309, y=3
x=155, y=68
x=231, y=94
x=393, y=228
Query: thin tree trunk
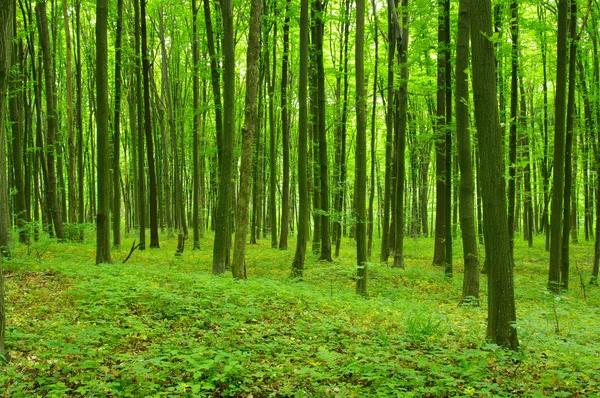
x=564, y=267
x=285, y=133
x=559, y=150
x=303, y=200
x=196, y=219
x=470, y=287
x=373, y=135
x=401, y=120
x=102, y=135
x=154, y=243
x=51, y=187
x=116, y=166
x=220, y=250
x=238, y=265
x=70, y=116
x=140, y=131
x=361, y=153
x=501, y=305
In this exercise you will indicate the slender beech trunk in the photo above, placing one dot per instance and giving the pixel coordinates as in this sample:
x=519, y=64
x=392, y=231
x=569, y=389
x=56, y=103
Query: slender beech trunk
x=196, y=198
x=389, y=142
x=559, y=150
x=141, y=198
x=303, y=200
x=322, y=134
x=373, y=135
x=514, y=102
x=564, y=262
x=79, y=119
x=6, y=38
x=51, y=187
x=238, y=265
x=361, y=153
x=220, y=250
x=440, y=142
x=272, y=146
x=116, y=166
x=154, y=243
x=470, y=288
x=501, y=303
x=401, y=120
x=102, y=135
x=285, y=133
x=70, y=116
x=15, y=105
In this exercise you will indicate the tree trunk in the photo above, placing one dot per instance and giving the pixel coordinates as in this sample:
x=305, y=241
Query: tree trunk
x=514, y=102
x=501, y=305
x=361, y=153
x=116, y=188
x=102, y=135
x=285, y=133
x=298, y=263
x=564, y=267
x=154, y=243
x=15, y=105
x=272, y=147
x=401, y=119
x=470, y=287
x=220, y=250
x=196, y=219
x=238, y=265
x=442, y=173
x=559, y=150
x=373, y=135
x=141, y=198
x=51, y=187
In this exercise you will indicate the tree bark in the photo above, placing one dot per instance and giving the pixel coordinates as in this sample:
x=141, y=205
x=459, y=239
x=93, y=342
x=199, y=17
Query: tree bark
x=559, y=150
x=361, y=153
x=102, y=135
x=196, y=219
x=220, y=250
x=116, y=187
x=51, y=187
x=501, y=305
x=285, y=133
x=470, y=288
x=238, y=265
x=303, y=199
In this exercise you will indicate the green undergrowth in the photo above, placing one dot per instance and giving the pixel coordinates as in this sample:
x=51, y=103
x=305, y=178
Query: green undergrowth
x=162, y=325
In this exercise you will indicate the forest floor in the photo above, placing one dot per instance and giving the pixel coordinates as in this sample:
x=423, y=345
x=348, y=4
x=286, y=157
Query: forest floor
x=162, y=325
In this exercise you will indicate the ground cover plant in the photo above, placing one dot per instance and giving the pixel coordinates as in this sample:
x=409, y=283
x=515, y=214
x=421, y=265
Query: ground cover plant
x=162, y=325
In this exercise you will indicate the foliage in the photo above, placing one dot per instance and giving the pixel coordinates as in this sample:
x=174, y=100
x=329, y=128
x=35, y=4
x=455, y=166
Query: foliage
x=161, y=325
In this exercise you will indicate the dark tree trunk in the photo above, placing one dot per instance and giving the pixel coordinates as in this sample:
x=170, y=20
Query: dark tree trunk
x=196, y=198
x=361, y=153
x=102, y=135
x=285, y=133
x=222, y=236
x=51, y=187
x=238, y=265
x=470, y=288
x=116, y=188
x=303, y=200
x=559, y=150
x=501, y=305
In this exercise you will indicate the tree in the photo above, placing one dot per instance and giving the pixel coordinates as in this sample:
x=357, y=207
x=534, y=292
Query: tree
x=154, y=243
x=559, y=150
x=6, y=37
x=102, y=136
x=285, y=133
x=501, y=302
x=51, y=117
x=70, y=116
x=196, y=221
x=116, y=186
x=303, y=199
x=401, y=121
x=238, y=265
x=361, y=153
x=220, y=249
x=465, y=162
